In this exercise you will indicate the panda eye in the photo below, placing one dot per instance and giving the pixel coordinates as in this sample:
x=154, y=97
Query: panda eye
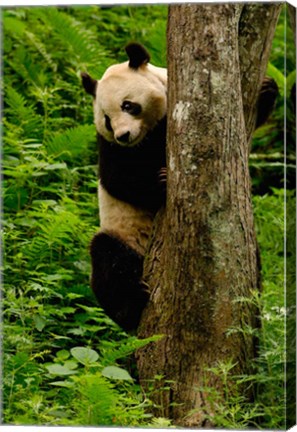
x=132, y=108
x=108, y=123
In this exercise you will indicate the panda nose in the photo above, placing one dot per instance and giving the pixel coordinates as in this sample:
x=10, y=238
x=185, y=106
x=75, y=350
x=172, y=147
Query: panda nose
x=123, y=138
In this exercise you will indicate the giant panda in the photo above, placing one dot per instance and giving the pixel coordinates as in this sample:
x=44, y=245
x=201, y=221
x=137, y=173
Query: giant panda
x=130, y=104
x=130, y=117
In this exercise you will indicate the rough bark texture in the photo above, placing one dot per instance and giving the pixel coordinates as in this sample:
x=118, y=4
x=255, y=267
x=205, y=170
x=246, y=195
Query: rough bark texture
x=203, y=253
x=292, y=15
x=256, y=29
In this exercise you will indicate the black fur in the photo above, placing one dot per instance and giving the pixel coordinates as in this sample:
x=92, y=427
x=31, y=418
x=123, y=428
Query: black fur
x=131, y=174
x=266, y=100
x=116, y=280
x=89, y=83
x=137, y=54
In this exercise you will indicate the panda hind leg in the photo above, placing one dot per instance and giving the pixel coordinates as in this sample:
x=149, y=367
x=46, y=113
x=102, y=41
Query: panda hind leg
x=116, y=280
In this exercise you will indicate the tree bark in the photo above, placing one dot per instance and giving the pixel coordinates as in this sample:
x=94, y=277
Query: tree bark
x=292, y=15
x=256, y=30
x=203, y=254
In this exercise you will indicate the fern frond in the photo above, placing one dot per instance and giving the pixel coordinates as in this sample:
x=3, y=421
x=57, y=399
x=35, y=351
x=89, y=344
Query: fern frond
x=23, y=66
x=23, y=114
x=40, y=47
x=71, y=143
x=17, y=103
x=111, y=353
x=98, y=401
x=58, y=229
x=81, y=43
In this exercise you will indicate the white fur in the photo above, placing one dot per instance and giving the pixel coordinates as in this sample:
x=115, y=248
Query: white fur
x=130, y=224
x=146, y=86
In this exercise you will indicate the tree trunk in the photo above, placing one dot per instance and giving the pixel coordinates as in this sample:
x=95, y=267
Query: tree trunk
x=203, y=256
x=256, y=29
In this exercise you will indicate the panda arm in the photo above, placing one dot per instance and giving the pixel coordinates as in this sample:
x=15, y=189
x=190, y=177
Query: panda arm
x=140, y=189
x=133, y=174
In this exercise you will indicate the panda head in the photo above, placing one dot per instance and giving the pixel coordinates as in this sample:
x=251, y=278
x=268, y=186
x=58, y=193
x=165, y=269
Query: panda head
x=130, y=99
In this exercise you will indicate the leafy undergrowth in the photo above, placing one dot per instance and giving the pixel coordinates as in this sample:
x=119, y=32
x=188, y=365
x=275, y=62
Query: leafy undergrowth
x=64, y=362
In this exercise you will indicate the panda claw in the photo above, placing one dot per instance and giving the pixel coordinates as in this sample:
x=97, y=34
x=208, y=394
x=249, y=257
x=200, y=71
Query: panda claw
x=269, y=85
x=145, y=286
x=163, y=175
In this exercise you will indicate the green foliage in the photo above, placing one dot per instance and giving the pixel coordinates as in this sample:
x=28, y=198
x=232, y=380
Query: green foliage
x=65, y=362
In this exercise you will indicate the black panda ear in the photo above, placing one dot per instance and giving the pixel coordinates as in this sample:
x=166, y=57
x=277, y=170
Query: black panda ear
x=89, y=83
x=137, y=54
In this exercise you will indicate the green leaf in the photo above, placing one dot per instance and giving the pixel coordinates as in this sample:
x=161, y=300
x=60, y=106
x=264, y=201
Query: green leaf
x=68, y=310
x=291, y=79
x=63, y=354
x=14, y=26
x=86, y=356
x=116, y=373
x=67, y=384
x=113, y=351
x=39, y=322
x=71, y=364
x=56, y=166
x=277, y=75
x=56, y=369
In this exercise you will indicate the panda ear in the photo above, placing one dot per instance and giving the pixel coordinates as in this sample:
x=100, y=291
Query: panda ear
x=89, y=83
x=137, y=54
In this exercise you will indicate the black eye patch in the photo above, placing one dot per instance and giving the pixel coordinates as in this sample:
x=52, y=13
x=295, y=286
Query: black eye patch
x=132, y=108
x=108, y=123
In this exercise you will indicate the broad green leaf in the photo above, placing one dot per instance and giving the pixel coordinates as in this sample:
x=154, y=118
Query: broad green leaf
x=63, y=354
x=57, y=369
x=116, y=373
x=71, y=364
x=86, y=356
x=39, y=322
x=278, y=77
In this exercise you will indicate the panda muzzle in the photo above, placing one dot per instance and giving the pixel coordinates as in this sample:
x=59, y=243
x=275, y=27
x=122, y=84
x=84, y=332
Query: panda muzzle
x=124, y=138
